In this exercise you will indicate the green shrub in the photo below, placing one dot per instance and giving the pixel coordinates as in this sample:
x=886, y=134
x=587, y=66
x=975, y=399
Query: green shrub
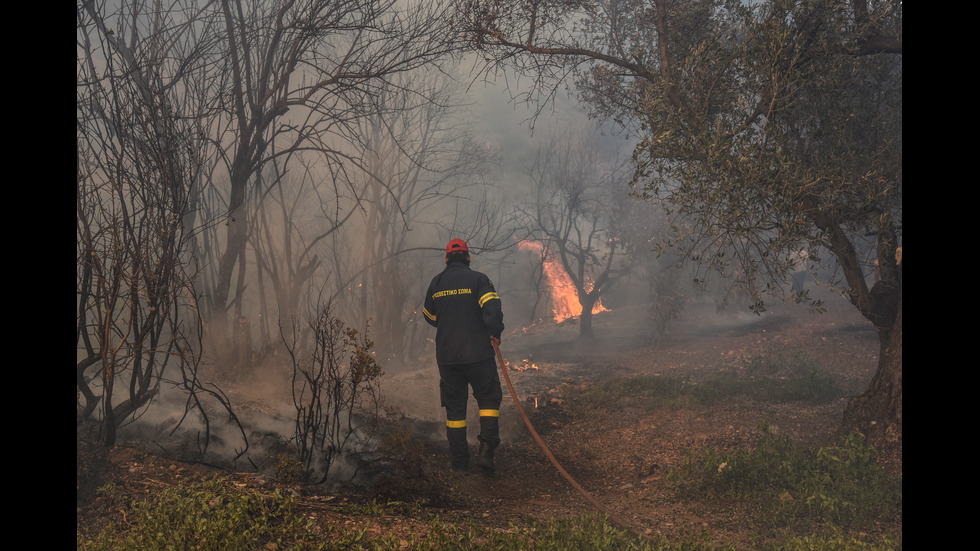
x=211, y=514
x=839, y=484
x=837, y=541
x=215, y=515
x=289, y=470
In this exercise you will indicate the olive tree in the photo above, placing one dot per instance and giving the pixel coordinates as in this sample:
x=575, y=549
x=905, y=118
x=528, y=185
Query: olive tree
x=766, y=128
x=579, y=214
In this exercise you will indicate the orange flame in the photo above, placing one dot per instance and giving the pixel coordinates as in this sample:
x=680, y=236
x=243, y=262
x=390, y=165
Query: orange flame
x=523, y=365
x=564, y=297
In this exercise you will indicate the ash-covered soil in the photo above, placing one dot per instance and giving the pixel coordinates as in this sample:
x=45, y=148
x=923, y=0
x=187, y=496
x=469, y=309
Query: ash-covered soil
x=620, y=456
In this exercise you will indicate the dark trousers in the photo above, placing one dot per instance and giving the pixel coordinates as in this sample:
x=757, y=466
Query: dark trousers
x=454, y=381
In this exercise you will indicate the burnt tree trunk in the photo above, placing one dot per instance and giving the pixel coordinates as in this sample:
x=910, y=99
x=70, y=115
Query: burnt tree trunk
x=587, y=301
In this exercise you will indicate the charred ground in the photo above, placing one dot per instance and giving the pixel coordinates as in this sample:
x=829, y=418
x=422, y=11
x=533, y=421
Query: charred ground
x=620, y=454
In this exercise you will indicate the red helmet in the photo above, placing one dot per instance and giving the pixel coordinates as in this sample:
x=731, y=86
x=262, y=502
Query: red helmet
x=457, y=245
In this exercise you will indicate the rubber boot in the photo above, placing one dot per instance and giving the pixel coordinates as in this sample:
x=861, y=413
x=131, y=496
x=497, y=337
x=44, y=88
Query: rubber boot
x=489, y=440
x=459, y=451
x=485, y=459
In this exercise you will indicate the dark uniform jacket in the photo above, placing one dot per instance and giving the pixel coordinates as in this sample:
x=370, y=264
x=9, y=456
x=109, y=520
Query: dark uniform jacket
x=465, y=308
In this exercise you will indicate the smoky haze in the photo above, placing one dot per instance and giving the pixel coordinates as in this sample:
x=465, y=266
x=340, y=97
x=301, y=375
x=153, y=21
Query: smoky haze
x=366, y=235
x=366, y=276
x=264, y=193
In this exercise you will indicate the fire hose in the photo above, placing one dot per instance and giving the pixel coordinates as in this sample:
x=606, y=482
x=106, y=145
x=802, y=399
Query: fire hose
x=544, y=447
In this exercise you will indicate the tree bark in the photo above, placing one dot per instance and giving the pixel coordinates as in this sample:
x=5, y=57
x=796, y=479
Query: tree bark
x=878, y=411
x=585, y=321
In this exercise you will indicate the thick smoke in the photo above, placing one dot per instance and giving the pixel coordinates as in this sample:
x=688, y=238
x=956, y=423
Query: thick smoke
x=261, y=395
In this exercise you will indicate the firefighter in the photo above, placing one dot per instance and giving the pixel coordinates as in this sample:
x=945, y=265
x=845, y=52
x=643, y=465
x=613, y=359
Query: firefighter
x=465, y=309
